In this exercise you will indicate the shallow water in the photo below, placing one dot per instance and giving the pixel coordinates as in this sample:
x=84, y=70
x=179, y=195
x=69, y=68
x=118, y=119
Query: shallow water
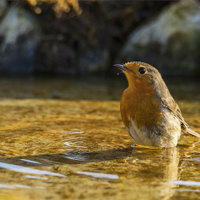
x=64, y=139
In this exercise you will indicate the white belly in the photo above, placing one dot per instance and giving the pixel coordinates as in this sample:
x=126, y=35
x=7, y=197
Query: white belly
x=166, y=135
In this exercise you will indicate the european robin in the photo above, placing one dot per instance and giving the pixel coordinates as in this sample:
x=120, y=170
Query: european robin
x=149, y=112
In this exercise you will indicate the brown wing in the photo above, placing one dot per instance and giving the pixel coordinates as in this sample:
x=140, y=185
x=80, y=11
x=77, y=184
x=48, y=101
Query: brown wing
x=167, y=101
x=171, y=105
x=174, y=108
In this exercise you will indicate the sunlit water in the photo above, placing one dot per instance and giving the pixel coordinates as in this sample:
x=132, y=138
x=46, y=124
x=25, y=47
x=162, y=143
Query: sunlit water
x=64, y=139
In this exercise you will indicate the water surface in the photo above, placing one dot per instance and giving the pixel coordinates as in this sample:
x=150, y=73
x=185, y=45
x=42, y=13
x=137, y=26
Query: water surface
x=64, y=139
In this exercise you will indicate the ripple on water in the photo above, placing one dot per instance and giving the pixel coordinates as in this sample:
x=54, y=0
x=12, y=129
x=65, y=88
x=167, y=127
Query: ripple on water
x=99, y=175
x=14, y=186
x=75, y=132
x=74, y=140
x=189, y=183
x=28, y=170
x=192, y=159
x=187, y=190
x=30, y=161
x=35, y=177
x=78, y=156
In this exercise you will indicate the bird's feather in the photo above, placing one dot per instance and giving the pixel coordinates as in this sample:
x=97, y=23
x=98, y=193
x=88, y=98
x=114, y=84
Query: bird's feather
x=168, y=102
x=177, y=112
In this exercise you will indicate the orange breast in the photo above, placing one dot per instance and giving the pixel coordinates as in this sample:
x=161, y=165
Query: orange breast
x=140, y=104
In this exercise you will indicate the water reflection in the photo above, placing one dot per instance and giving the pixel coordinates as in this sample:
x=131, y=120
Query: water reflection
x=22, y=169
x=190, y=183
x=170, y=172
x=36, y=177
x=71, y=158
x=99, y=175
x=30, y=161
x=14, y=186
x=149, y=168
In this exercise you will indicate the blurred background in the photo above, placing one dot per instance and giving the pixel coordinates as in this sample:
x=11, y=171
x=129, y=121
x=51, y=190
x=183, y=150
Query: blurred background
x=86, y=37
x=61, y=133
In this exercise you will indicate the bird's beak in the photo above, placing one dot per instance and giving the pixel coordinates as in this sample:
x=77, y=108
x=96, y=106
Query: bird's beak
x=121, y=67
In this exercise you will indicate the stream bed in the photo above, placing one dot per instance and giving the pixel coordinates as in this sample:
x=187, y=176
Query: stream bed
x=63, y=138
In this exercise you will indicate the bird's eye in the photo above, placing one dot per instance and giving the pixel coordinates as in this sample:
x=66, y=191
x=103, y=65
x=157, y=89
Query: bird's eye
x=142, y=70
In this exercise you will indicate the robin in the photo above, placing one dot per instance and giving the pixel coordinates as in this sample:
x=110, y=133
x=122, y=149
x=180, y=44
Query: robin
x=149, y=112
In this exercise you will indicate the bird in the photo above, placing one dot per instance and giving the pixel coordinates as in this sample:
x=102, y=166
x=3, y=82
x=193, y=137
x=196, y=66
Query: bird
x=148, y=110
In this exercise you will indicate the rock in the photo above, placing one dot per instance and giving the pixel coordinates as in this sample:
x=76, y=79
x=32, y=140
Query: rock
x=19, y=37
x=60, y=58
x=57, y=57
x=3, y=6
x=94, y=61
x=171, y=41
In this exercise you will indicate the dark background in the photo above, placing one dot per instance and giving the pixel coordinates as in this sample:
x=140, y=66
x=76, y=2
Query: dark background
x=87, y=37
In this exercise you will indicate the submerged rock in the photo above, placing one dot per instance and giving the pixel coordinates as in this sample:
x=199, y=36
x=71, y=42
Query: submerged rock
x=171, y=41
x=19, y=36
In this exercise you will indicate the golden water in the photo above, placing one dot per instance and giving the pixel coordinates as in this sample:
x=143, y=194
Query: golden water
x=64, y=139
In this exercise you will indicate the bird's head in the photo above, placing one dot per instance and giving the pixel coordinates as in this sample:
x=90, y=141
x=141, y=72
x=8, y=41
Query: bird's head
x=139, y=74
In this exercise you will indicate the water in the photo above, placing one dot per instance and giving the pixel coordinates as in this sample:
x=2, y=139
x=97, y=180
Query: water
x=64, y=139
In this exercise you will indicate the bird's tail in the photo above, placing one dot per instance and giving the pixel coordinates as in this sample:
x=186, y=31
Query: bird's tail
x=191, y=132
x=187, y=130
